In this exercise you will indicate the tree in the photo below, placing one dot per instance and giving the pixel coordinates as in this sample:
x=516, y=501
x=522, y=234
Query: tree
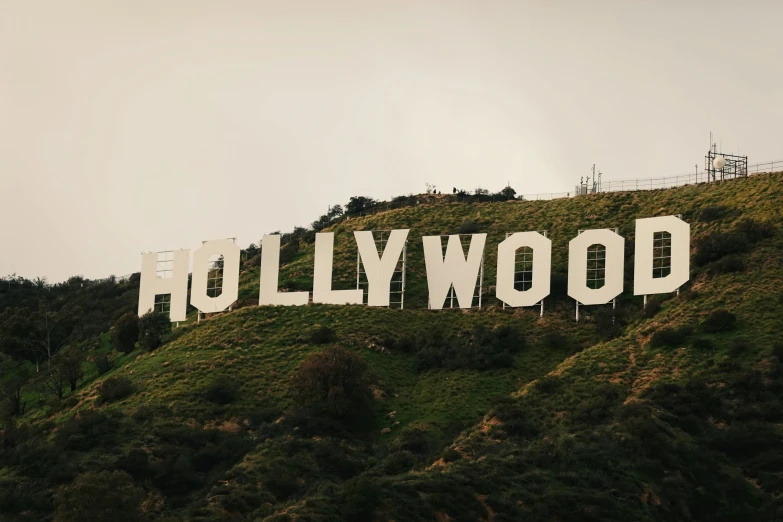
x=13, y=378
x=67, y=370
x=99, y=496
x=125, y=332
x=152, y=327
x=336, y=381
x=509, y=193
x=71, y=364
x=359, y=204
x=46, y=336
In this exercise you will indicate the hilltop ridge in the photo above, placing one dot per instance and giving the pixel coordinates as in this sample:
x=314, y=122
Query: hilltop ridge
x=671, y=412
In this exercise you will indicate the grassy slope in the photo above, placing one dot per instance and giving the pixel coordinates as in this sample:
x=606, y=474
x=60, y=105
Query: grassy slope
x=580, y=458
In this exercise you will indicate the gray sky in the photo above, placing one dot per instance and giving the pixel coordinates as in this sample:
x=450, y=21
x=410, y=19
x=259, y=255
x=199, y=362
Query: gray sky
x=152, y=125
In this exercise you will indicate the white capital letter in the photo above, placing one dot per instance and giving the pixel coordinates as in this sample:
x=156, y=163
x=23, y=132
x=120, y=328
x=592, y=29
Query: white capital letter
x=230, y=285
x=680, y=231
x=613, y=266
x=270, y=273
x=379, y=271
x=453, y=270
x=322, y=277
x=176, y=285
x=542, y=266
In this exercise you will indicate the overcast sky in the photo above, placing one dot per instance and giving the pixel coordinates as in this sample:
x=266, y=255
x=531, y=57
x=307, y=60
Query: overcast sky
x=129, y=126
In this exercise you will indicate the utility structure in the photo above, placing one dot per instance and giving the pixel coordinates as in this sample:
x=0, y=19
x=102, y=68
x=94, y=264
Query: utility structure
x=586, y=186
x=720, y=166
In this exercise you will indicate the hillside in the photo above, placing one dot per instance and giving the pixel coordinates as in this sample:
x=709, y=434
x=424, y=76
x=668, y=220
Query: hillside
x=671, y=413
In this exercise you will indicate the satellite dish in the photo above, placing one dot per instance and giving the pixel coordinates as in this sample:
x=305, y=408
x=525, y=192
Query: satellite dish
x=719, y=162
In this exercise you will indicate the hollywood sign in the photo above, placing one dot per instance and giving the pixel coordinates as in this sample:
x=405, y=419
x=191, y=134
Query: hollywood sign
x=454, y=270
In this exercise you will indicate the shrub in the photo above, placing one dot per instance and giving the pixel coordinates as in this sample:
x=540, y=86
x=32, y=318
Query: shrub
x=99, y=496
x=668, y=337
x=738, y=347
x=322, y=335
x=222, y=390
x=450, y=455
x=334, y=381
x=702, y=343
x=414, y=440
x=777, y=351
x=125, y=333
x=727, y=265
x=713, y=213
x=479, y=349
x=719, y=321
x=718, y=244
x=754, y=230
x=469, y=227
x=114, y=389
x=153, y=326
x=102, y=363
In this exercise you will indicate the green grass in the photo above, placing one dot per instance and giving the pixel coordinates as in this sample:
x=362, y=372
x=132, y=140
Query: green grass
x=581, y=430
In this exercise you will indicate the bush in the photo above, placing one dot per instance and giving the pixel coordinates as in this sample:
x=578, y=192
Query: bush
x=114, y=389
x=469, y=227
x=99, y=496
x=668, y=337
x=738, y=347
x=703, y=343
x=719, y=321
x=153, y=326
x=322, y=335
x=727, y=265
x=713, y=213
x=125, y=333
x=102, y=363
x=717, y=245
x=335, y=381
x=777, y=351
x=480, y=349
x=754, y=230
x=223, y=390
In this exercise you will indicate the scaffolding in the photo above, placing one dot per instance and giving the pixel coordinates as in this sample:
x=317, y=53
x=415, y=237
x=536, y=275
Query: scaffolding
x=735, y=166
x=523, y=270
x=397, y=285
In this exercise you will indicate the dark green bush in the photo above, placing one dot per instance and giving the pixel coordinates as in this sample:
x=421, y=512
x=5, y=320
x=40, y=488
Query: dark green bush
x=480, y=349
x=713, y=213
x=153, y=327
x=671, y=337
x=717, y=245
x=222, y=390
x=702, y=343
x=469, y=227
x=727, y=265
x=335, y=382
x=719, y=321
x=322, y=335
x=125, y=333
x=99, y=496
x=451, y=455
x=114, y=389
x=738, y=347
x=102, y=363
